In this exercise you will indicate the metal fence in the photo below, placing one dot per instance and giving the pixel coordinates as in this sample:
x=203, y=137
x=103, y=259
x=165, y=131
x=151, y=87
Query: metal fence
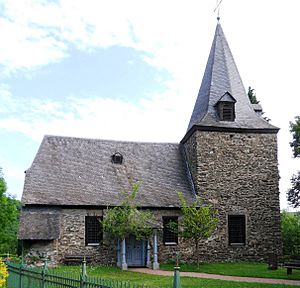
x=8, y=255
x=27, y=277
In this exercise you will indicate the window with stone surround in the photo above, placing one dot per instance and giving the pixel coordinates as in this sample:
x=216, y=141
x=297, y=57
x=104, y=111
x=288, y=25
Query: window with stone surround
x=237, y=229
x=169, y=236
x=93, y=231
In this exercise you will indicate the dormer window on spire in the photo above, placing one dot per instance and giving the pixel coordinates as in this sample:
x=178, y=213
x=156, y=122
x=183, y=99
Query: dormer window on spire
x=117, y=158
x=226, y=111
x=226, y=107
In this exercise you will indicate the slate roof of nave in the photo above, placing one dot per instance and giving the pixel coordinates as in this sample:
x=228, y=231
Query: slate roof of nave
x=79, y=171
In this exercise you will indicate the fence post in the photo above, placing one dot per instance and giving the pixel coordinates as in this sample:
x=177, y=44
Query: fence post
x=176, y=281
x=44, y=271
x=83, y=274
x=20, y=275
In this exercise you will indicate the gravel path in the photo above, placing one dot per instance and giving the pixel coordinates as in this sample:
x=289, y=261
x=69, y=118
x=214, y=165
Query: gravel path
x=218, y=277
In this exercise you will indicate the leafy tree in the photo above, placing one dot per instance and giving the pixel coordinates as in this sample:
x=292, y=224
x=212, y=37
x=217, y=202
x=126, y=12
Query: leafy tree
x=290, y=229
x=293, y=194
x=127, y=219
x=198, y=222
x=295, y=130
x=9, y=218
x=252, y=95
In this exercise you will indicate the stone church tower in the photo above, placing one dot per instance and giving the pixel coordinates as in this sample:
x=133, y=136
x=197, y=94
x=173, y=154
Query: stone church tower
x=232, y=155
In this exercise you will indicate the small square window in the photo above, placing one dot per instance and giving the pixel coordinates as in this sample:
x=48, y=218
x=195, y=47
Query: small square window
x=93, y=231
x=237, y=229
x=170, y=237
x=117, y=158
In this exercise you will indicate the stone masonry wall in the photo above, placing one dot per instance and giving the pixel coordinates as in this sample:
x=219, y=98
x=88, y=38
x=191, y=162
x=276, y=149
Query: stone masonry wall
x=72, y=241
x=166, y=253
x=37, y=250
x=238, y=174
x=72, y=238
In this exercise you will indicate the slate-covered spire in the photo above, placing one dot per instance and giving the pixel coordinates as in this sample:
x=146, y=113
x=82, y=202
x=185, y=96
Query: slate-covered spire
x=221, y=82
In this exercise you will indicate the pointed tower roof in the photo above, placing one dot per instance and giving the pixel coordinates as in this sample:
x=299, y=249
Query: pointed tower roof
x=221, y=77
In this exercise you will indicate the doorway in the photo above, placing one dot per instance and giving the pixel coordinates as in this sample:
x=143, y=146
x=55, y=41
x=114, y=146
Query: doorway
x=135, y=252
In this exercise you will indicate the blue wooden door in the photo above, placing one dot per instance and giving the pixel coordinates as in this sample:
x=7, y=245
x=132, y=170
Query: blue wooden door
x=135, y=252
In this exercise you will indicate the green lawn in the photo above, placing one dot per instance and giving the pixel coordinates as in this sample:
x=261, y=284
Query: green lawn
x=244, y=269
x=161, y=281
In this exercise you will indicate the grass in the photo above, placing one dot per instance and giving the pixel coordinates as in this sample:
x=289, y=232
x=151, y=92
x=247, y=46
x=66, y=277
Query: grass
x=163, y=281
x=243, y=269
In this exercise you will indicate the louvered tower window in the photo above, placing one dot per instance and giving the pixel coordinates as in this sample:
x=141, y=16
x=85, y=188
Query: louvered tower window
x=225, y=107
x=226, y=111
x=93, y=231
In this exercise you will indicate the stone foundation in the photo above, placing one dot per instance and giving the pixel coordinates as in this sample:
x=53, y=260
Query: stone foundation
x=38, y=250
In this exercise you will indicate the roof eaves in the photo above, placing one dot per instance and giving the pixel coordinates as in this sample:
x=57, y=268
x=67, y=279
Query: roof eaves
x=199, y=127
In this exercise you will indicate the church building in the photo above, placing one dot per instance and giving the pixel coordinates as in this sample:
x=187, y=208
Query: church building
x=228, y=157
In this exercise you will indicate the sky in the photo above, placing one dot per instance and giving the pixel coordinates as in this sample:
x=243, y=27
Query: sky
x=131, y=70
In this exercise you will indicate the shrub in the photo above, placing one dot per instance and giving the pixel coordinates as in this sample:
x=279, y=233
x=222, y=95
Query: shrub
x=290, y=229
x=3, y=273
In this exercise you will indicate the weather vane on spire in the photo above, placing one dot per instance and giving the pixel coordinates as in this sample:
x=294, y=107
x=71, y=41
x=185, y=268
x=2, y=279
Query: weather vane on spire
x=218, y=3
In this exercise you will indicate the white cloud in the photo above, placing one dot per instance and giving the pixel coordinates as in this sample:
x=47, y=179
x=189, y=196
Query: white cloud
x=14, y=177
x=173, y=35
x=5, y=97
x=151, y=120
x=27, y=47
x=41, y=32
